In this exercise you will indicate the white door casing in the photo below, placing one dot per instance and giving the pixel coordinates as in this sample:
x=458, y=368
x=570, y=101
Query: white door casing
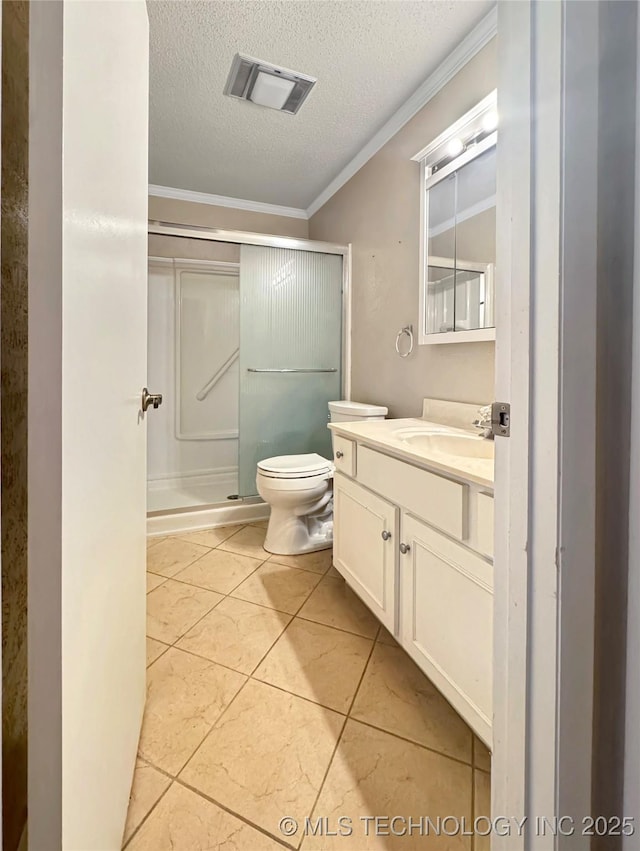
x=87, y=436
x=545, y=367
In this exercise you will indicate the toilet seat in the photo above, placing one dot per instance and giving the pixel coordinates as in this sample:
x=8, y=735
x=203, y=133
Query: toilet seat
x=295, y=466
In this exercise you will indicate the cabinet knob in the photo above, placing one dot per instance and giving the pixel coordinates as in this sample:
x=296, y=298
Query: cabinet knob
x=404, y=549
x=339, y=454
x=386, y=535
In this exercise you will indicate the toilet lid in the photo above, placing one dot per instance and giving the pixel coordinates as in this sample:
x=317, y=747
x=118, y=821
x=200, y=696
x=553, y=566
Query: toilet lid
x=292, y=466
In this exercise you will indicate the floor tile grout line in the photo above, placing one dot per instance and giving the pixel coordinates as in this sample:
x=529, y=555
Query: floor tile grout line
x=151, y=809
x=293, y=614
x=271, y=560
x=174, y=644
x=159, y=575
x=339, y=739
x=224, y=593
x=201, y=742
x=191, y=543
x=199, y=655
x=269, y=556
x=317, y=703
x=271, y=646
x=167, y=647
x=250, y=676
x=209, y=550
x=298, y=567
x=397, y=735
x=240, y=599
x=188, y=584
x=185, y=537
x=299, y=696
x=402, y=738
x=326, y=773
x=260, y=605
x=237, y=815
x=374, y=641
x=347, y=714
x=321, y=706
x=332, y=626
x=204, y=659
x=185, y=566
x=360, y=681
x=272, y=557
x=221, y=716
x=213, y=727
x=217, y=603
x=174, y=779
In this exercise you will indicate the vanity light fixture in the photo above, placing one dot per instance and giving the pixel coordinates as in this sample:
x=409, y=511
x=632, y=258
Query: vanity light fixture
x=474, y=131
x=455, y=147
x=267, y=85
x=490, y=121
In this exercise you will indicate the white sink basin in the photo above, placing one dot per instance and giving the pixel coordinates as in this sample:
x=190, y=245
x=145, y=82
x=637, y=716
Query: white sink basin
x=440, y=443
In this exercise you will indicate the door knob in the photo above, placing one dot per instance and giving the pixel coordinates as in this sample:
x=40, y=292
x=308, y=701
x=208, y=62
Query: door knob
x=386, y=535
x=149, y=399
x=404, y=548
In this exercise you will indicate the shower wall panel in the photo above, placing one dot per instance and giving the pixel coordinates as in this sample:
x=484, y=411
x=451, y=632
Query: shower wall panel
x=193, y=351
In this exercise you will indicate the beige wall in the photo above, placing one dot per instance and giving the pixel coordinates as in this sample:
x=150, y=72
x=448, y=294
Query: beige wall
x=13, y=416
x=207, y=215
x=378, y=211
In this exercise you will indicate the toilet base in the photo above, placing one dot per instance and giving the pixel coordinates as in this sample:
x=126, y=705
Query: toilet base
x=289, y=535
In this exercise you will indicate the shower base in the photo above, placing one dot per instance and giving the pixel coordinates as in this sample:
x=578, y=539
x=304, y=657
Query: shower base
x=227, y=513
x=191, y=491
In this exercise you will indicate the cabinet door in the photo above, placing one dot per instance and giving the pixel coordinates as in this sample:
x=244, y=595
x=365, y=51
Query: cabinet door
x=365, y=545
x=447, y=619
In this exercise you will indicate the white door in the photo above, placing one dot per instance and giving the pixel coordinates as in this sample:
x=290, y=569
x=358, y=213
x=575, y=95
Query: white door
x=87, y=435
x=365, y=546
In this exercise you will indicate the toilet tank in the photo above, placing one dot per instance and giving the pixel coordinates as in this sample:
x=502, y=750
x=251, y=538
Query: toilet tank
x=348, y=412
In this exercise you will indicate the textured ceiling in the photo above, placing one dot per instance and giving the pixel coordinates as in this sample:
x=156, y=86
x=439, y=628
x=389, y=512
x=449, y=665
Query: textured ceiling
x=368, y=56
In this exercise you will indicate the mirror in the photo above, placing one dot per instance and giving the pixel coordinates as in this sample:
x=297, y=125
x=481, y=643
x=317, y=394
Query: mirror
x=461, y=236
x=459, y=230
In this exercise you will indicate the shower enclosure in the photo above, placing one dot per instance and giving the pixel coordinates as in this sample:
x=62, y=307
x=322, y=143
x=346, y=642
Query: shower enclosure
x=246, y=346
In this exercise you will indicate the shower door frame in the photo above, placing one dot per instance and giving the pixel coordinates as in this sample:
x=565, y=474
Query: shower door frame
x=274, y=241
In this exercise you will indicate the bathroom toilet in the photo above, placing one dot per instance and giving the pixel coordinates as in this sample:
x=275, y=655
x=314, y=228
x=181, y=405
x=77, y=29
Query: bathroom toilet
x=299, y=490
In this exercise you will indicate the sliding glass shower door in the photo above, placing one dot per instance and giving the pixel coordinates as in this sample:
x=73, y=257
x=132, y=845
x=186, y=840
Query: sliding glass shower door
x=290, y=353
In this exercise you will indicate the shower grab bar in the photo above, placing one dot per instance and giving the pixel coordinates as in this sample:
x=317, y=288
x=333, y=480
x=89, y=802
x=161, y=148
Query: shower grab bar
x=291, y=370
x=202, y=394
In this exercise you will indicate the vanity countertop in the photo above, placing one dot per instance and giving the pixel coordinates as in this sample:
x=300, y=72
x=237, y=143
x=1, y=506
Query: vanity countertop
x=390, y=436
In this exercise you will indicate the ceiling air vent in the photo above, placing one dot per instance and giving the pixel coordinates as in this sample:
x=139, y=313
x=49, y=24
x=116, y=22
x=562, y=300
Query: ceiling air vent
x=267, y=85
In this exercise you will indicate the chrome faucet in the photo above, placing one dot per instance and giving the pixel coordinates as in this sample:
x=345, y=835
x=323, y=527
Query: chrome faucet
x=484, y=422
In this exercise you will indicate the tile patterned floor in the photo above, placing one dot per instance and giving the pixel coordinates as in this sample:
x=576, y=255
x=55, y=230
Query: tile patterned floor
x=272, y=691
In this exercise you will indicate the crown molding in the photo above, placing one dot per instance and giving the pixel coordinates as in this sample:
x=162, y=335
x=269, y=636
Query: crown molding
x=224, y=201
x=479, y=36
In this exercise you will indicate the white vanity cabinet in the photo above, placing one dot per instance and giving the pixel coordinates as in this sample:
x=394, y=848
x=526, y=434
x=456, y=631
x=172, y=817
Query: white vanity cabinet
x=446, y=619
x=366, y=533
x=416, y=547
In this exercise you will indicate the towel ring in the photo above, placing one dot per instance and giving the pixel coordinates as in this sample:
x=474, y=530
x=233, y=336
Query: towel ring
x=408, y=330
